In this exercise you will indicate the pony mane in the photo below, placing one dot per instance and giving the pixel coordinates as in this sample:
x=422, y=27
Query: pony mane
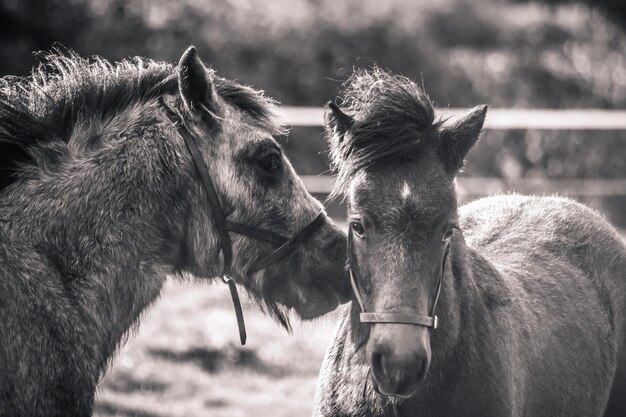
x=393, y=119
x=39, y=113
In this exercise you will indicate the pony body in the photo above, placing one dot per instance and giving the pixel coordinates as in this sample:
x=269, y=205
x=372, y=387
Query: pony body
x=532, y=311
x=100, y=201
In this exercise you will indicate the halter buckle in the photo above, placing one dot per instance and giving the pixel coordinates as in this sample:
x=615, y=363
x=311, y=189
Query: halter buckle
x=226, y=279
x=435, y=322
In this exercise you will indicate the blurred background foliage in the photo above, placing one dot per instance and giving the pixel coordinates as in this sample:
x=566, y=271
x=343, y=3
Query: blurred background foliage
x=506, y=53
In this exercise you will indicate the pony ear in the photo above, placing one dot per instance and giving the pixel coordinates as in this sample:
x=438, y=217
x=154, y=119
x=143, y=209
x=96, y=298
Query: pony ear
x=336, y=121
x=194, y=81
x=458, y=137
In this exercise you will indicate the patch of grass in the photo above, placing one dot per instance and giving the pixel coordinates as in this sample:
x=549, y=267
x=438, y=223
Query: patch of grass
x=214, y=360
x=185, y=360
x=104, y=408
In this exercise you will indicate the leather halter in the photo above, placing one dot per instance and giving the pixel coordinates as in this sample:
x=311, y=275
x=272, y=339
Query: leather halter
x=224, y=226
x=431, y=320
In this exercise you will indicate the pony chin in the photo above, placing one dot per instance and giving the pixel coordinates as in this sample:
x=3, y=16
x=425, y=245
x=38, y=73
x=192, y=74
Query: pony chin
x=307, y=306
x=316, y=305
x=310, y=304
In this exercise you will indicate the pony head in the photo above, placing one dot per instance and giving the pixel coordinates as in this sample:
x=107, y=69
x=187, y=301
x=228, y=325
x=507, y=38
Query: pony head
x=236, y=129
x=397, y=169
x=94, y=141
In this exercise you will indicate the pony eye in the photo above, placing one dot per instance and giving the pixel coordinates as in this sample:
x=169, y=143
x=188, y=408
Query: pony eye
x=448, y=235
x=357, y=229
x=270, y=163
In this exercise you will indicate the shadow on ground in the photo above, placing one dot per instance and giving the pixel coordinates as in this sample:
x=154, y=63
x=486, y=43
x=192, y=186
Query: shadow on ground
x=213, y=360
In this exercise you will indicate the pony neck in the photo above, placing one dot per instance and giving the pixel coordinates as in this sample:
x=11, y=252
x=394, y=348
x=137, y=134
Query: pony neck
x=106, y=231
x=471, y=286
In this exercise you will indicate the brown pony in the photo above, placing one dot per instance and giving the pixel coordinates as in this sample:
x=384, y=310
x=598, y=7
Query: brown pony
x=101, y=198
x=531, y=311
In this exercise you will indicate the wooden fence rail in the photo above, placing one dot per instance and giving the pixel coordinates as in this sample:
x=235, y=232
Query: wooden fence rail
x=543, y=119
x=477, y=186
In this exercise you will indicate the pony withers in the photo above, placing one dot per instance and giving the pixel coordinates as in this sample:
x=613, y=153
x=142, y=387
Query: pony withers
x=529, y=292
x=115, y=175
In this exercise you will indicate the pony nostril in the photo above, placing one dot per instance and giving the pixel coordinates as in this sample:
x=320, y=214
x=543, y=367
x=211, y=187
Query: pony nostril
x=377, y=361
x=422, y=368
x=378, y=366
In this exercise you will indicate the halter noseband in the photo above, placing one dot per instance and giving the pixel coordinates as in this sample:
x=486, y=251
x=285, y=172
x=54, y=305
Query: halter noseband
x=431, y=320
x=224, y=226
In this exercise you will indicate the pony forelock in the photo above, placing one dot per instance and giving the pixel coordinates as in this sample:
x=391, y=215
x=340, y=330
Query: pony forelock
x=393, y=118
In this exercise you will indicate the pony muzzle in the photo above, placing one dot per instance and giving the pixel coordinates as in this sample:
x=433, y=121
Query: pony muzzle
x=399, y=357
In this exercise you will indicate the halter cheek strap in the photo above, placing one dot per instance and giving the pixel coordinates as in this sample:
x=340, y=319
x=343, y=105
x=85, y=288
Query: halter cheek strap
x=288, y=245
x=431, y=321
x=224, y=226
